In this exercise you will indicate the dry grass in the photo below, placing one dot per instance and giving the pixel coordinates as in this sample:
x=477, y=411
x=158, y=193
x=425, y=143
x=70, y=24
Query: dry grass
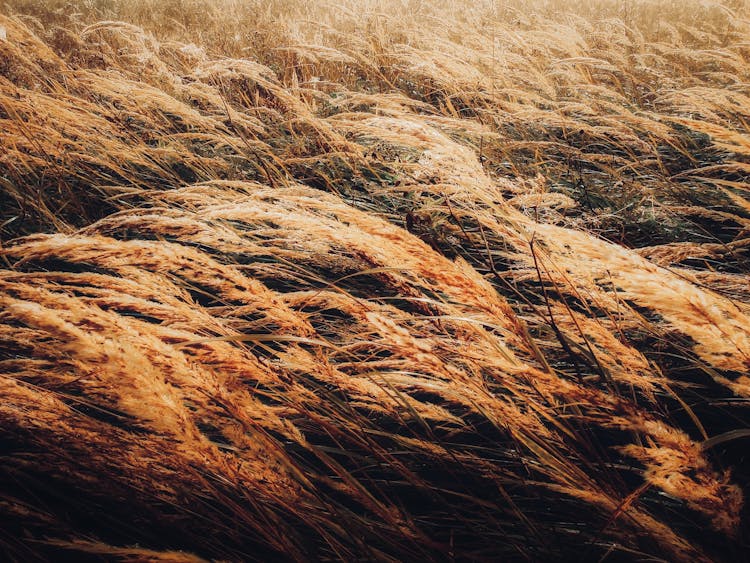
x=374, y=280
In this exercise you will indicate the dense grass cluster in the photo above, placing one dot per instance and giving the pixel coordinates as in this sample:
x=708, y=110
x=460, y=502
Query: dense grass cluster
x=374, y=280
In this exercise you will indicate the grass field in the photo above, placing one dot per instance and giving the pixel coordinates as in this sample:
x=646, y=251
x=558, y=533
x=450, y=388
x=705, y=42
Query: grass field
x=374, y=280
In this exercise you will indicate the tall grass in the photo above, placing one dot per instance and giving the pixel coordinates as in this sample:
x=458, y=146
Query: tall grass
x=374, y=280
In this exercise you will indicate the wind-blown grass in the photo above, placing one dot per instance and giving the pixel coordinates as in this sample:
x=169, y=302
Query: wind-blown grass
x=374, y=280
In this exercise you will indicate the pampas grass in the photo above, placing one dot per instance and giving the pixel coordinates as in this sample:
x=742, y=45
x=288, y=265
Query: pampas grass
x=374, y=280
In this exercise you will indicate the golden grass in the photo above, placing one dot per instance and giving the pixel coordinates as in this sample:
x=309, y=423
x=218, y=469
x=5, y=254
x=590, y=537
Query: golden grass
x=374, y=280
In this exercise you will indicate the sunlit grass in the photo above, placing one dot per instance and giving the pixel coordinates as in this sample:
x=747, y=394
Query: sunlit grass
x=374, y=280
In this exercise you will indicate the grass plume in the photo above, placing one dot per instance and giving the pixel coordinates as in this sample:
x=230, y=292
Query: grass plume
x=374, y=280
